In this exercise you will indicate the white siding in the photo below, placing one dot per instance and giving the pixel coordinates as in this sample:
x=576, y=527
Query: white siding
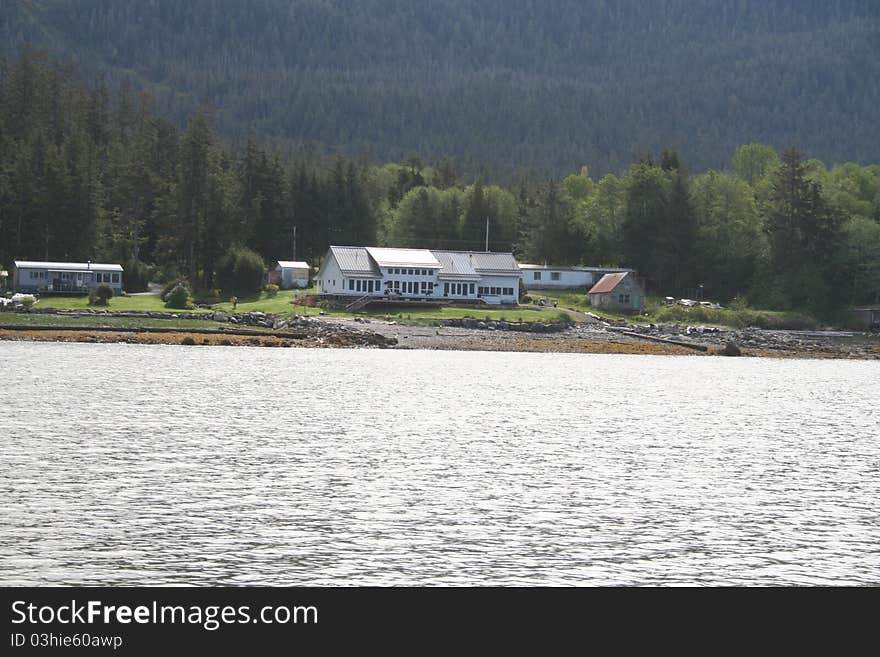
x=543, y=279
x=330, y=279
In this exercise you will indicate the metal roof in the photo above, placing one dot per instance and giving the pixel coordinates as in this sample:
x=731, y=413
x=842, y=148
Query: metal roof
x=495, y=263
x=292, y=264
x=67, y=266
x=457, y=265
x=366, y=260
x=355, y=260
x=608, y=282
x=523, y=265
x=386, y=257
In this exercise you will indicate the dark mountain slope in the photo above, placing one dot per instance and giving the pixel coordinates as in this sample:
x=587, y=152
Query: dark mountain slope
x=508, y=83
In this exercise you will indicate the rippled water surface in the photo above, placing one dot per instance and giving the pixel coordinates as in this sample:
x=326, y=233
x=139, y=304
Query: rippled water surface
x=132, y=464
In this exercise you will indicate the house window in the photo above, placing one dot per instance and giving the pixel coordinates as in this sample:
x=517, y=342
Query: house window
x=350, y=283
x=446, y=289
x=623, y=298
x=115, y=278
x=554, y=275
x=537, y=275
x=471, y=288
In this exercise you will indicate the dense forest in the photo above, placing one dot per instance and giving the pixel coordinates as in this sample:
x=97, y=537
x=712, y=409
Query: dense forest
x=501, y=86
x=90, y=174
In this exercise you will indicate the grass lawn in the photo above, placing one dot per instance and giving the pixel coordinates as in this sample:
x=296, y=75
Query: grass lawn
x=657, y=312
x=149, y=302
x=99, y=321
x=435, y=314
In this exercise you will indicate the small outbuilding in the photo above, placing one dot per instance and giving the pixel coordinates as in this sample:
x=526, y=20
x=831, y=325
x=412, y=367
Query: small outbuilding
x=289, y=274
x=867, y=316
x=621, y=292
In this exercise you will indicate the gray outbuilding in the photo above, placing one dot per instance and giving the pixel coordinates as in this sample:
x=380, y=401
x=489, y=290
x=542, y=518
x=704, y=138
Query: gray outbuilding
x=619, y=292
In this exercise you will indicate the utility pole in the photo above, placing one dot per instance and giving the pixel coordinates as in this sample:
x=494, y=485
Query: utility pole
x=487, y=233
x=294, y=241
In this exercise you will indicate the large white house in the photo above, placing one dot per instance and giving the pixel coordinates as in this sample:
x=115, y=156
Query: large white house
x=420, y=274
x=556, y=277
x=32, y=277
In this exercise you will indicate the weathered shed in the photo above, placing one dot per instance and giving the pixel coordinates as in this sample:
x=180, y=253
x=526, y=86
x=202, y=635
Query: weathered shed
x=868, y=316
x=621, y=291
x=290, y=274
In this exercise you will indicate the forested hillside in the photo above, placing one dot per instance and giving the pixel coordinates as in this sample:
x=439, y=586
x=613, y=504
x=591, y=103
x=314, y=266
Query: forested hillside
x=86, y=174
x=506, y=85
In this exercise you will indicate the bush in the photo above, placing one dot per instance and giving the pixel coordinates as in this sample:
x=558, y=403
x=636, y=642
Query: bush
x=136, y=276
x=179, y=297
x=271, y=290
x=240, y=271
x=28, y=300
x=169, y=287
x=101, y=295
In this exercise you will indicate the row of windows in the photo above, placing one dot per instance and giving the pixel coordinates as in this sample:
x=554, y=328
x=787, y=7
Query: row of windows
x=363, y=286
x=66, y=276
x=410, y=272
x=411, y=287
x=554, y=275
x=458, y=289
x=497, y=291
x=426, y=288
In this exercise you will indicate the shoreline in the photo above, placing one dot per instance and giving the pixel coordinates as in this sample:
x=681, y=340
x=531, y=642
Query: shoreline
x=345, y=333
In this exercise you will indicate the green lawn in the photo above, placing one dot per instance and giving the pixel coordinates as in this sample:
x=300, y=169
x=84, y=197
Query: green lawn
x=657, y=312
x=149, y=302
x=574, y=299
x=435, y=314
x=100, y=321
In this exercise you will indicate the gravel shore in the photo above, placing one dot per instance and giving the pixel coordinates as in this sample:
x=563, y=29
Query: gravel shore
x=587, y=337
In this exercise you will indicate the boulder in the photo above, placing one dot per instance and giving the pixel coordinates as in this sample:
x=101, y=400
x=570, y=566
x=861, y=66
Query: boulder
x=731, y=350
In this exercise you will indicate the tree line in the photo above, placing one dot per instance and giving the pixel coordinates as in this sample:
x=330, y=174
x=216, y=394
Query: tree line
x=86, y=173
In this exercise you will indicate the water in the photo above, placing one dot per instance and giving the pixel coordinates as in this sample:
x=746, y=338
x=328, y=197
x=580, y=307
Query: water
x=131, y=464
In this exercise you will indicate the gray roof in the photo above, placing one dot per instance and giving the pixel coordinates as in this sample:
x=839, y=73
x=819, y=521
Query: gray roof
x=462, y=265
x=456, y=265
x=66, y=266
x=524, y=265
x=355, y=261
x=495, y=263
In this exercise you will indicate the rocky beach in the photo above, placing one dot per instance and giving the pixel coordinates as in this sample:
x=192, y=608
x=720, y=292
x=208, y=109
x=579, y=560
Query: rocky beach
x=592, y=336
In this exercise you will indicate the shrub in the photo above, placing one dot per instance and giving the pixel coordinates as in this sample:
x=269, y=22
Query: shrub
x=179, y=297
x=240, y=271
x=564, y=318
x=28, y=300
x=101, y=295
x=136, y=276
x=271, y=290
x=169, y=287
